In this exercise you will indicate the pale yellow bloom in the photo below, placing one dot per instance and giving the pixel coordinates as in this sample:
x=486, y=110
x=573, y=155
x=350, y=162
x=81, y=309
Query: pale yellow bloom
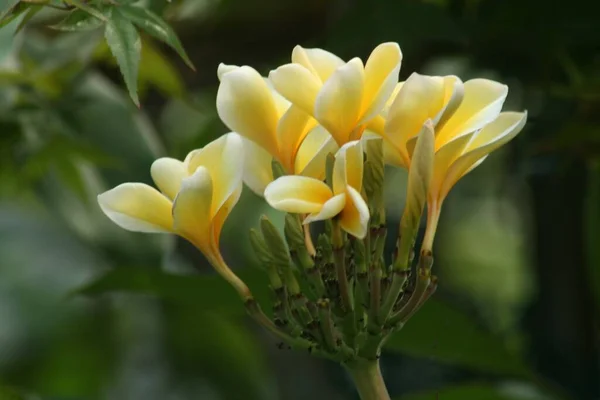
x=195, y=198
x=342, y=97
x=304, y=195
x=274, y=128
x=468, y=126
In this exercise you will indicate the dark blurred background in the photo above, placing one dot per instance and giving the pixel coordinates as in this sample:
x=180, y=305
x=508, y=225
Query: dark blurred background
x=89, y=311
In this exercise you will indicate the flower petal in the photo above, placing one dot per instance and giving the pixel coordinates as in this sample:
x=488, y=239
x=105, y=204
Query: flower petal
x=481, y=104
x=348, y=167
x=454, y=91
x=421, y=98
x=222, y=69
x=246, y=105
x=330, y=209
x=310, y=160
x=444, y=157
x=137, y=207
x=167, y=174
x=192, y=209
x=219, y=219
x=320, y=62
x=338, y=104
x=258, y=172
x=381, y=77
x=494, y=135
x=224, y=159
x=293, y=127
x=297, y=194
x=297, y=84
x=354, y=218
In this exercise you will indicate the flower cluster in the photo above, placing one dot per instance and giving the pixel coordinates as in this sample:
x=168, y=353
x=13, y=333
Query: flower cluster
x=313, y=139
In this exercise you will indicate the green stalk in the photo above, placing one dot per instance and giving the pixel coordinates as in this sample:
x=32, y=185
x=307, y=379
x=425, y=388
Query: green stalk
x=367, y=378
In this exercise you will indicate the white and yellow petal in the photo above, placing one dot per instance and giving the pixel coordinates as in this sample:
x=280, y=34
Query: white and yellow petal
x=222, y=69
x=348, y=167
x=292, y=129
x=480, y=105
x=167, y=173
x=224, y=159
x=192, y=209
x=330, y=209
x=137, y=207
x=339, y=102
x=258, y=171
x=245, y=104
x=297, y=84
x=491, y=137
x=381, y=77
x=354, y=218
x=319, y=62
x=297, y=194
x=311, y=157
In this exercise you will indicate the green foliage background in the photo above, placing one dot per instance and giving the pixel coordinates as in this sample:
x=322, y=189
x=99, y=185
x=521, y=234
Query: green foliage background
x=89, y=311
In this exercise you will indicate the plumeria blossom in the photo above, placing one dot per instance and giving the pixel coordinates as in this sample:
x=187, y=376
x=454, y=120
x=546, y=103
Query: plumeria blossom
x=304, y=195
x=195, y=198
x=342, y=96
x=467, y=121
x=274, y=128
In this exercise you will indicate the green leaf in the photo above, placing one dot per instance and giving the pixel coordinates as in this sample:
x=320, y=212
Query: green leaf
x=156, y=69
x=78, y=20
x=207, y=293
x=441, y=332
x=12, y=12
x=158, y=28
x=33, y=10
x=472, y=391
x=125, y=44
x=89, y=9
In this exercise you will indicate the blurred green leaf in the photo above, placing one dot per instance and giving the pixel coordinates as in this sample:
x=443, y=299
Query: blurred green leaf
x=474, y=391
x=31, y=12
x=12, y=12
x=78, y=20
x=125, y=44
x=220, y=348
x=443, y=333
x=207, y=293
x=88, y=8
x=156, y=27
x=8, y=393
x=156, y=69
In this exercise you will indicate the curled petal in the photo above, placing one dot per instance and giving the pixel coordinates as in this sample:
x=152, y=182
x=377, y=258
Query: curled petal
x=192, y=209
x=481, y=104
x=330, y=209
x=224, y=159
x=167, y=174
x=293, y=127
x=319, y=62
x=454, y=92
x=297, y=84
x=137, y=207
x=310, y=160
x=354, y=218
x=338, y=104
x=297, y=194
x=494, y=135
x=245, y=104
x=444, y=157
x=381, y=77
x=219, y=219
x=258, y=172
x=225, y=68
x=421, y=98
x=348, y=167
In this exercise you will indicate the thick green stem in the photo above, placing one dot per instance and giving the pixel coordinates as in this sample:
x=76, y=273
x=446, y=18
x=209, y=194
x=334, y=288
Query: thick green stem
x=368, y=380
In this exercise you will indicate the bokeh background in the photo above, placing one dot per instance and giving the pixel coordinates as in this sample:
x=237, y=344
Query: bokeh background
x=89, y=311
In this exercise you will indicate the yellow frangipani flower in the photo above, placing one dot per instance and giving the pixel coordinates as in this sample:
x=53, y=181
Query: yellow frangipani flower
x=468, y=126
x=342, y=97
x=304, y=195
x=274, y=128
x=195, y=198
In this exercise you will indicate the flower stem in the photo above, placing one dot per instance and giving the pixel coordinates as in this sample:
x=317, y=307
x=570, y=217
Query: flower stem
x=368, y=380
x=433, y=217
x=310, y=247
